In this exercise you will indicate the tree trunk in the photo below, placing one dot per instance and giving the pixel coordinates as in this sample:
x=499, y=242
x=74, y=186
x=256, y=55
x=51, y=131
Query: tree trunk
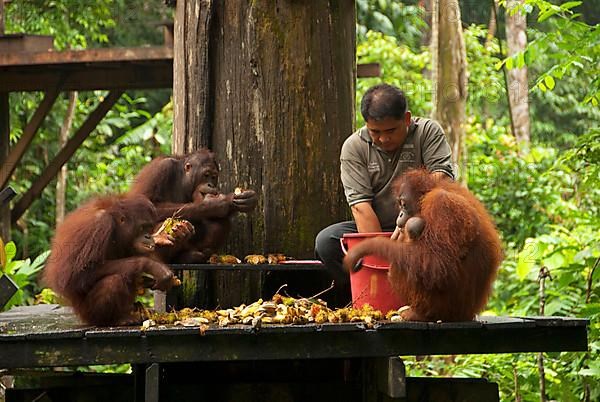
x=449, y=65
x=61, y=179
x=516, y=40
x=492, y=24
x=269, y=86
x=426, y=5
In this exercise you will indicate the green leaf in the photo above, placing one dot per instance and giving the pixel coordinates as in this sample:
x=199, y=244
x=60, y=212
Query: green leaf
x=554, y=261
x=11, y=251
x=549, y=81
x=570, y=4
x=520, y=60
x=542, y=86
x=548, y=13
x=527, y=258
x=509, y=63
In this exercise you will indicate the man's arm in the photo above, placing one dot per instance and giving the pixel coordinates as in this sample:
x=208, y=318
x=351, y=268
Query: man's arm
x=365, y=218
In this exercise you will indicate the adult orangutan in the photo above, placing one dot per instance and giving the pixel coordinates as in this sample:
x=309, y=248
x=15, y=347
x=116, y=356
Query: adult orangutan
x=100, y=258
x=444, y=253
x=170, y=183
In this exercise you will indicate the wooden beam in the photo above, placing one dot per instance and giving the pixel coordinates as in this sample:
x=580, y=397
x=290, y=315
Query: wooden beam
x=65, y=154
x=103, y=55
x=4, y=144
x=368, y=70
x=137, y=75
x=16, y=153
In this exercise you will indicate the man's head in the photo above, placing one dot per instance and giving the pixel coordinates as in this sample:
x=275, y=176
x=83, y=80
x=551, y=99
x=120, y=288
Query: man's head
x=385, y=110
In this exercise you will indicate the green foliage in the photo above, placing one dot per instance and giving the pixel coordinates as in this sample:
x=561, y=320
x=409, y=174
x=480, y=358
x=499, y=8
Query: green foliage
x=486, y=93
x=572, y=45
x=73, y=23
x=400, y=66
x=393, y=18
x=105, y=163
x=23, y=273
x=512, y=186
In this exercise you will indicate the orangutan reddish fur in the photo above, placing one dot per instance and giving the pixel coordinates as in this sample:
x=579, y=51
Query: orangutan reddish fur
x=447, y=273
x=99, y=254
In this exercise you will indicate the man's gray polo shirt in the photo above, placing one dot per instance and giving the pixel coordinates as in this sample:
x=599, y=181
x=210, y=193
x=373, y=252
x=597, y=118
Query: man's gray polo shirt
x=367, y=171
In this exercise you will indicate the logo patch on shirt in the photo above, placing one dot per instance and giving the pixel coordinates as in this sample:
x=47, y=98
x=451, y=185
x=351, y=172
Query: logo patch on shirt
x=373, y=167
x=407, y=156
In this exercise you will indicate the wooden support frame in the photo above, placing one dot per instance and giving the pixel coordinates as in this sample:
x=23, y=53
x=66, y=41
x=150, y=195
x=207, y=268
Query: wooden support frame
x=4, y=142
x=65, y=153
x=16, y=153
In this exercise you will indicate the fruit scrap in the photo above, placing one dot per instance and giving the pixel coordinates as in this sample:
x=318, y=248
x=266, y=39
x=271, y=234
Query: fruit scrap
x=168, y=225
x=255, y=259
x=238, y=191
x=224, y=259
x=276, y=258
x=279, y=310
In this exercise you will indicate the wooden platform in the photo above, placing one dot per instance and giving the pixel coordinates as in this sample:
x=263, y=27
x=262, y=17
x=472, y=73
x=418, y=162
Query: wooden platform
x=50, y=335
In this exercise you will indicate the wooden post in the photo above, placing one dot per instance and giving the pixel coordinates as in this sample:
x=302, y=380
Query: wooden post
x=275, y=101
x=4, y=143
x=4, y=147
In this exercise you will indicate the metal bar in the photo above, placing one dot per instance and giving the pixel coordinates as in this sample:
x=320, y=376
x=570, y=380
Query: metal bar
x=7, y=288
x=64, y=154
x=6, y=194
x=248, y=267
x=16, y=153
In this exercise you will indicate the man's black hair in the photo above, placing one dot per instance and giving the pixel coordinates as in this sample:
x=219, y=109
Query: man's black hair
x=381, y=101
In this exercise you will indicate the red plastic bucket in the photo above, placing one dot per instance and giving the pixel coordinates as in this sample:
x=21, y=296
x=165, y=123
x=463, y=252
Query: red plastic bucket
x=370, y=284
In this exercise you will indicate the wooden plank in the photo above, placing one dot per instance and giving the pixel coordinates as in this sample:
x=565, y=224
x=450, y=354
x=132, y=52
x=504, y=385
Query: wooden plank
x=65, y=153
x=552, y=321
x=108, y=55
x=29, y=132
x=494, y=322
x=92, y=76
x=13, y=43
x=309, y=341
x=368, y=70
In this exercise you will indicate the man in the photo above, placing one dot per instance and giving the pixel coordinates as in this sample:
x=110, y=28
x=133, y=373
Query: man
x=391, y=142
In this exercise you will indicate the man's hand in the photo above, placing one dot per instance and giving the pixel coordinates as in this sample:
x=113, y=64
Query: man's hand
x=245, y=201
x=397, y=233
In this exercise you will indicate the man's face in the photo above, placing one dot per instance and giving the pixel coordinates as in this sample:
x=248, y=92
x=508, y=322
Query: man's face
x=389, y=134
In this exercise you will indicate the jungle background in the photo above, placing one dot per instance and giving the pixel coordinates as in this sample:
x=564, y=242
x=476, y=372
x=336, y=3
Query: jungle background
x=544, y=193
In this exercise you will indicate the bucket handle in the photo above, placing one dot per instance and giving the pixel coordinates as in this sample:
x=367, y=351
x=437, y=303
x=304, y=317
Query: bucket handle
x=364, y=265
x=343, y=244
